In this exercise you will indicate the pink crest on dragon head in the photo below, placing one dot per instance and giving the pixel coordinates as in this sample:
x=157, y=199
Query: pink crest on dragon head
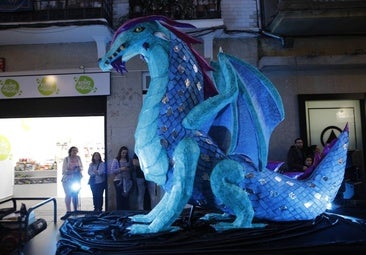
x=132, y=22
x=209, y=88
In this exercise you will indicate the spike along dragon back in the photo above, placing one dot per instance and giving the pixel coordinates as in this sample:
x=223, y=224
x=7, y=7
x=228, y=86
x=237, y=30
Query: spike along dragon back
x=203, y=134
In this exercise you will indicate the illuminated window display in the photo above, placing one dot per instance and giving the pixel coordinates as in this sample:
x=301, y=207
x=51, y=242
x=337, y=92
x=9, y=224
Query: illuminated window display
x=32, y=151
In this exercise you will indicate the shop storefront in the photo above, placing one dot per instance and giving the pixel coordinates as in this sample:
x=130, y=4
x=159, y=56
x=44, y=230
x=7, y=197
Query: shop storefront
x=41, y=117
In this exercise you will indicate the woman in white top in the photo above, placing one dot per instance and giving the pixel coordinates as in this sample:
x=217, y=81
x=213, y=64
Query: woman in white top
x=71, y=179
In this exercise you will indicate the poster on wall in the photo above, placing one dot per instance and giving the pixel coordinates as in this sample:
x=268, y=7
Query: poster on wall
x=327, y=119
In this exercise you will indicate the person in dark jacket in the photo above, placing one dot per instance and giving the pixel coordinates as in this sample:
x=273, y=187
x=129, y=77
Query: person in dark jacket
x=296, y=157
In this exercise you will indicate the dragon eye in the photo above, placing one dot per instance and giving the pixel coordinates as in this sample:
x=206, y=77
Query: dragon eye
x=139, y=29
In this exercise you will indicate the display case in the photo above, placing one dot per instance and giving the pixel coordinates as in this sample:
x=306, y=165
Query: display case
x=27, y=171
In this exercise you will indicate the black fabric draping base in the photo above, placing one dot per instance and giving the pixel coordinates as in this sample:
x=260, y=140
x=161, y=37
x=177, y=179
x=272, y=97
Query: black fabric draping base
x=106, y=234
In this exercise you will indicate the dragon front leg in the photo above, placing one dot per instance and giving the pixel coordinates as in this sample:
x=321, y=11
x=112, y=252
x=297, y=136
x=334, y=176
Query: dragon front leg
x=225, y=180
x=148, y=218
x=170, y=207
x=227, y=84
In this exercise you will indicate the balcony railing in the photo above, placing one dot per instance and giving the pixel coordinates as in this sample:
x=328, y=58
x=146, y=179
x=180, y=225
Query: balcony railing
x=176, y=9
x=49, y=10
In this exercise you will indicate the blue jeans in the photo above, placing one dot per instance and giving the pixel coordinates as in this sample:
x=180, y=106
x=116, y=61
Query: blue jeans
x=97, y=190
x=122, y=202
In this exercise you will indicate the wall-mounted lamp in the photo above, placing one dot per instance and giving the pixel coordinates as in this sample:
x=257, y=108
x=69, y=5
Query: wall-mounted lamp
x=82, y=68
x=2, y=64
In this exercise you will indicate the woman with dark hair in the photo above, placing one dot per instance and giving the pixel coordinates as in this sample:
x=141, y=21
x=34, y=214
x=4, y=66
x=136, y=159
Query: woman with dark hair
x=121, y=169
x=96, y=172
x=71, y=179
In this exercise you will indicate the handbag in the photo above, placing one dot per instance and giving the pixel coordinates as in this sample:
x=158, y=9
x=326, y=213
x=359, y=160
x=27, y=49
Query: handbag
x=127, y=185
x=91, y=180
x=92, y=177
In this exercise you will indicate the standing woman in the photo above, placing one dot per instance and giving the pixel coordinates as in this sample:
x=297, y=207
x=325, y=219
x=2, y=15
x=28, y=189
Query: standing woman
x=121, y=169
x=71, y=179
x=97, y=180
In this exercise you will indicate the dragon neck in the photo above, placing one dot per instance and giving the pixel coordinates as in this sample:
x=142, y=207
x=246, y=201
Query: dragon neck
x=174, y=90
x=174, y=69
x=158, y=62
x=184, y=91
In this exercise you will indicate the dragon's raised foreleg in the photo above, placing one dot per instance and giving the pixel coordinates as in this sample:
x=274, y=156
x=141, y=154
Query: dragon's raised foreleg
x=225, y=180
x=172, y=204
x=227, y=85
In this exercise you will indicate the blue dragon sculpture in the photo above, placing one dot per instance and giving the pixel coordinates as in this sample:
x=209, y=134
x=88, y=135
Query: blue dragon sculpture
x=203, y=134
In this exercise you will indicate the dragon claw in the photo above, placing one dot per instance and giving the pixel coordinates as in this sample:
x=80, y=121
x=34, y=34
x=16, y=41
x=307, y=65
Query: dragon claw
x=139, y=229
x=142, y=218
x=215, y=216
x=145, y=229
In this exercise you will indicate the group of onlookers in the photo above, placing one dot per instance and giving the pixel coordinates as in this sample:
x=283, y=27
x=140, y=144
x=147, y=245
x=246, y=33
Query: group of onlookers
x=129, y=178
x=128, y=181
x=301, y=161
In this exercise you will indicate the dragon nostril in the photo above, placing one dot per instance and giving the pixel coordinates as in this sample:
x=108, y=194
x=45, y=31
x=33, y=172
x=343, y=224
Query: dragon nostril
x=105, y=62
x=146, y=45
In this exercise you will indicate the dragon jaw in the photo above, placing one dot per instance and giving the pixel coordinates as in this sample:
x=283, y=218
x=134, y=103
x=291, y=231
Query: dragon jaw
x=116, y=58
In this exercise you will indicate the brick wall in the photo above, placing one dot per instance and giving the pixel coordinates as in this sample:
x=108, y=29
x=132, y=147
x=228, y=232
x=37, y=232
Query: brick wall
x=240, y=14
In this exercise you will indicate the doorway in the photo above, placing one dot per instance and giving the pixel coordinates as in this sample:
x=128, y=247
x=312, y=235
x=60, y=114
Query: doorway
x=39, y=145
x=37, y=140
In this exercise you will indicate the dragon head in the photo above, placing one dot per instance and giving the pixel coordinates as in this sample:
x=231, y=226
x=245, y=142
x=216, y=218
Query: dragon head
x=137, y=37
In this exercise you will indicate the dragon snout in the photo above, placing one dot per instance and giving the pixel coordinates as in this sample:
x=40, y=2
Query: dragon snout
x=113, y=60
x=104, y=65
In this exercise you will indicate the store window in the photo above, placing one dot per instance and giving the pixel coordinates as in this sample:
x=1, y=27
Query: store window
x=36, y=149
x=35, y=135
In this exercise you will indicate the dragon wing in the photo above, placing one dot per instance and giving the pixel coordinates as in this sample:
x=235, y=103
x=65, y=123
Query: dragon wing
x=253, y=110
